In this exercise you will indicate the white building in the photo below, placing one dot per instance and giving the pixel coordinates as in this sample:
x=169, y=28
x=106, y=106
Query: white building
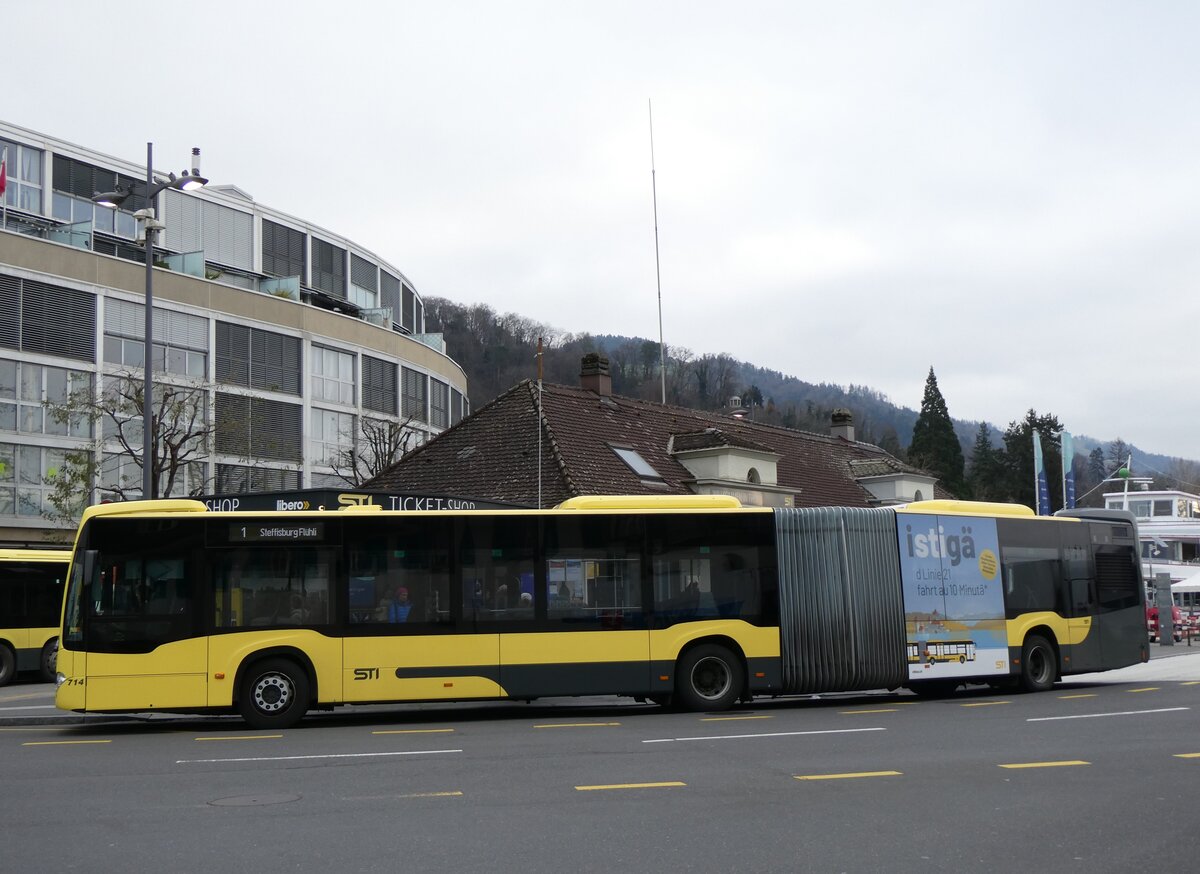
x=1169, y=531
x=294, y=334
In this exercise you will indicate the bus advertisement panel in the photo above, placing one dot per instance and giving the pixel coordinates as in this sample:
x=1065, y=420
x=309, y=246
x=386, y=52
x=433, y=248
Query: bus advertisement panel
x=953, y=597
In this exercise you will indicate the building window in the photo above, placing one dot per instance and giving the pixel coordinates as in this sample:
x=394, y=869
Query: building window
x=180, y=339
x=24, y=472
x=34, y=396
x=329, y=268
x=332, y=376
x=439, y=404
x=252, y=427
x=364, y=282
x=409, y=307
x=236, y=479
x=416, y=394
x=23, y=169
x=258, y=359
x=283, y=251
x=379, y=385
x=74, y=184
x=332, y=438
x=636, y=463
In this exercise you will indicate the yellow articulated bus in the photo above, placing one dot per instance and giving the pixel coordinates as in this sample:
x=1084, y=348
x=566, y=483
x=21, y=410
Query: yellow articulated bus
x=31, y=594
x=674, y=599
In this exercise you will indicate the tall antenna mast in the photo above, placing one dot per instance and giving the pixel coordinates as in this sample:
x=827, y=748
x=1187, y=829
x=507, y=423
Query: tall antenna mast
x=539, y=422
x=662, y=349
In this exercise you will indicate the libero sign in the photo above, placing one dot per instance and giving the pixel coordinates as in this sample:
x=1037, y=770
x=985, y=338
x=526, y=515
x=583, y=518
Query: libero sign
x=334, y=499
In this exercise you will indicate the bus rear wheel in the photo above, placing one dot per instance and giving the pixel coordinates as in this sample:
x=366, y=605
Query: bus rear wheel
x=8, y=665
x=274, y=694
x=1039, y=664
x=709, y=677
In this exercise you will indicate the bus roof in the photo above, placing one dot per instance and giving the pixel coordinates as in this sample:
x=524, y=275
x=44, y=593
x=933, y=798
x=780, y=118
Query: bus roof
x=966, y=508
x=651, y=502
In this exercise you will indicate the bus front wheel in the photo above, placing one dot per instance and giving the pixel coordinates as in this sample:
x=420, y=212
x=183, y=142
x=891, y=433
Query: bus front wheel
x=8, y=665
x=49, y=661
x=274, y=694
x=710, y=677
x=1039, y=664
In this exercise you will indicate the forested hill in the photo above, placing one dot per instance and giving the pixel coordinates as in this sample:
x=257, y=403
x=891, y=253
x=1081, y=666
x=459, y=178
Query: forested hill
x=499, y=350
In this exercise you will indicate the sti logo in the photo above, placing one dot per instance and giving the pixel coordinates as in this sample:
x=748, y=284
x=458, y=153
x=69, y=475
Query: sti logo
x=936, y=543
x=345, y=500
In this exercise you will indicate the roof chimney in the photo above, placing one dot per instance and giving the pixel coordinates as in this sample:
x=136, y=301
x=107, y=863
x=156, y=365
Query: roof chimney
x=593, y=374
x=842, y=424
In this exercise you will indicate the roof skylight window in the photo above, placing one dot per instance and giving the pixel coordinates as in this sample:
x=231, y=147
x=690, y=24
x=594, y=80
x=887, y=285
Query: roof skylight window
x=636, y=463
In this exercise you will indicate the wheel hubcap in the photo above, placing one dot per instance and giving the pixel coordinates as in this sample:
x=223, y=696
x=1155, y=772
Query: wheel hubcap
x=272, y=693
x=711, y=678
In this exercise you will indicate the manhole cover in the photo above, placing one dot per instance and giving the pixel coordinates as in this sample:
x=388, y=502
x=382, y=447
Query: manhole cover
x=253, y=800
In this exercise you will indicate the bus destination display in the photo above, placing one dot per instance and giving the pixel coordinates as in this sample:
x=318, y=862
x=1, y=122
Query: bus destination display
x=313, y=532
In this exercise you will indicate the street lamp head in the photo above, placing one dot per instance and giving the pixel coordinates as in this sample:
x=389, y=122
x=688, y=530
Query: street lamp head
x=111, y=199
x=188, y=182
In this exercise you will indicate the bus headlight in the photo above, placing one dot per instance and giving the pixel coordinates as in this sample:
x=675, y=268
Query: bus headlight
x=59, y=679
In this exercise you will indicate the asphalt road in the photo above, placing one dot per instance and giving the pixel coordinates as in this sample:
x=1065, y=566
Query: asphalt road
x=1099, y=775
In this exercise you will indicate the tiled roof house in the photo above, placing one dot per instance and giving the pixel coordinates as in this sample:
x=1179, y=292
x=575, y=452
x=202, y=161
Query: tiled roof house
x=594, y=442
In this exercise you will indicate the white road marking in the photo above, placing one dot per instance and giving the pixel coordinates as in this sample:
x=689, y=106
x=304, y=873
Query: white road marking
x=1098, y=715
x=669, y=740
x=31, y=707
x=310, y=758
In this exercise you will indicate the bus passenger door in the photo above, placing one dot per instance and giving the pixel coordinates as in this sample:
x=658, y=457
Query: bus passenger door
x=1082, y=606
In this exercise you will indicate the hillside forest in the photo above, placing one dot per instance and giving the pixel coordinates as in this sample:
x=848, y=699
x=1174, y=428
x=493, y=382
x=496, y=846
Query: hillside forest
x=975, y=460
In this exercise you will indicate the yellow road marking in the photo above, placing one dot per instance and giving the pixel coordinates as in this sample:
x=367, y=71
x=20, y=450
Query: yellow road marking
x=848, y=776
x=414, y=731
x=1187, y=755
x=241, y=737
x=577, y=725
x=983, y=703
x=1147, y=689
x=1046, y=764
x=1069, y=697
x=48, y=743
x=852, y=712
x=632, y=786
x=731, y=718
x=1191, y=683
x=431, y=795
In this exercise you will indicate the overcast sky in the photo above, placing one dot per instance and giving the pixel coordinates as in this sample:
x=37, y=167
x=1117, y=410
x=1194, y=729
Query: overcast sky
x=847, y=192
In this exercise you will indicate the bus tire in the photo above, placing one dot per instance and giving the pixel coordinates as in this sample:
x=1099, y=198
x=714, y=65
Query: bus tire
x=1039, y=664
x=274, y=694
x=709, y=677
x=48, y=663
x=8, y=665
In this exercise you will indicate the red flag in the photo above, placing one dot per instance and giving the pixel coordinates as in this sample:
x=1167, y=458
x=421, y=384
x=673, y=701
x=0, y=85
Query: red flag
x=3, y=174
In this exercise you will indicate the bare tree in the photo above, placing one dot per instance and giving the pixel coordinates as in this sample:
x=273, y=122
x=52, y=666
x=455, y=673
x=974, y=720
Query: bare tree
x=182, y=435
x=377, y=445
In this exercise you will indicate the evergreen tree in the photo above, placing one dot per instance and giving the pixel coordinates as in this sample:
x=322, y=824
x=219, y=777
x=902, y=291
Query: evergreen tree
x=1018, y=458
x=934, y=445
x=986, y=477
x=1118, y=455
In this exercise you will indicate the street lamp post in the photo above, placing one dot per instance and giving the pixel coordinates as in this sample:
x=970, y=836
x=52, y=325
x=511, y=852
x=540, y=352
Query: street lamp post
x=151, y=225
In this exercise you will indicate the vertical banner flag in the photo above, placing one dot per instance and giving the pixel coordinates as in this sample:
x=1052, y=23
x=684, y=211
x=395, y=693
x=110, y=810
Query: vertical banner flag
x=4, y=171
x=1039, y=471
x=1068, y=460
